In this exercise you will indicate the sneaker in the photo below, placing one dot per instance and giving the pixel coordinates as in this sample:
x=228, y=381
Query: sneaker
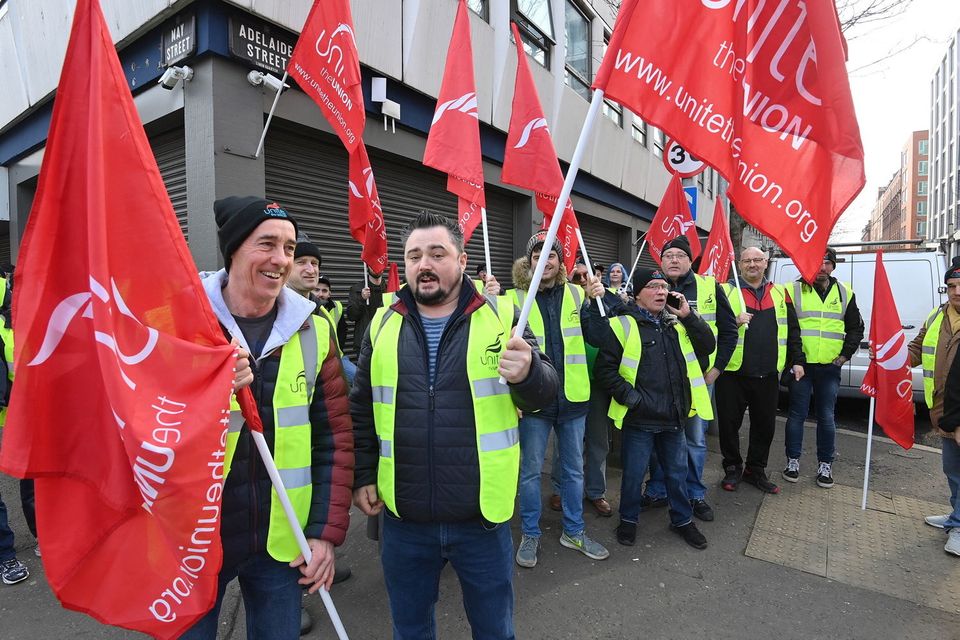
x=306, y=622
x=691, y=535
x=627, y=533
x=13, y=571
x=586, y=546
x=937, y=521
x=792, y=472
x=953, y=542
x=825, y=476
x=702, y=510
x=36, y=551
x=759, y=479
x=527, y=551
x=649, y=502
x=731, y=478
x=556, y=504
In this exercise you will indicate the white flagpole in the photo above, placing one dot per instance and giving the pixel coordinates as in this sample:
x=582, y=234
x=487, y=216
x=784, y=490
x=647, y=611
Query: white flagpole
x=295, y=526
x=736, y=280
x=486, y=241
x=586, y=262
x=866, y=470
x=636, y=260
x=366, y=281
x=276, y=99
x=558, y=211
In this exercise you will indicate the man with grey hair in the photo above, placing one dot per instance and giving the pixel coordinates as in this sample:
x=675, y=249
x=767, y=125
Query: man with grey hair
x=767, y=334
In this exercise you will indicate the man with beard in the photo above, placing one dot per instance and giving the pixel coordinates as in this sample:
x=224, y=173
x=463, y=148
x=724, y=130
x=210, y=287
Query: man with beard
x=436, y=434
x=831, y=330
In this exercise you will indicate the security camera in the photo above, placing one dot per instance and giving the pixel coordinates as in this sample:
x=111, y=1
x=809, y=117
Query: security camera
x=173, y=75
x=258, y=78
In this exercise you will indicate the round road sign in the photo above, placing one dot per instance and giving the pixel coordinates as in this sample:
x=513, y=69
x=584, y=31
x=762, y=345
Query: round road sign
x=678, y=160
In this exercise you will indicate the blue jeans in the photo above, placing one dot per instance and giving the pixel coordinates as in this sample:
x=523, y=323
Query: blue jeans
x=349, y=369
x=7, y=551
x=534, y=432
x=636, y=448
x=823, y=382
x=413, y=555
x=271, y=599
x=596, y=447
x=951, y=469
x=695, y=430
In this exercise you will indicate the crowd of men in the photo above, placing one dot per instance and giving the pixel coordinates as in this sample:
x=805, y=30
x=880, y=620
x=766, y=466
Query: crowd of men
x=444, y=417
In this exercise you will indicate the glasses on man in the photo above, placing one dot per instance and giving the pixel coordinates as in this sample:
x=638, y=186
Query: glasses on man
x=657, y=286
x=752, y=260
x=679, y=255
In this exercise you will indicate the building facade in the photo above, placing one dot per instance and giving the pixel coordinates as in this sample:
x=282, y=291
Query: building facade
x=204, y=131
x=944, y=208
x=900, y=211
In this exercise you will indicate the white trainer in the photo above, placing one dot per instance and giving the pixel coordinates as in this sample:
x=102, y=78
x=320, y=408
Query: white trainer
x=937, y=521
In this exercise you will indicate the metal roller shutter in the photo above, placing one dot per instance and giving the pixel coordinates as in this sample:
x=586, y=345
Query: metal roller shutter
x=602, y=239
x=4, y=242
x=306, y=171
x=170, y=152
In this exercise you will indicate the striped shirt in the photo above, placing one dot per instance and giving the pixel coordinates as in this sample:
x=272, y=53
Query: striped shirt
x=433, y=328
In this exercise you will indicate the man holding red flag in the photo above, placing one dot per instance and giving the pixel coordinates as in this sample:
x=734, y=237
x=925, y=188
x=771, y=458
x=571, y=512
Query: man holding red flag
x=757, y=90
x=936, y=347
x=768, y=337
x=307, y=424
x=831, y=329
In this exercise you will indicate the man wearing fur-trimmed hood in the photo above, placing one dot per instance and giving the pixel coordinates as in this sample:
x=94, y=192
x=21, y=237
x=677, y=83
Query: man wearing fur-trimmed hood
x=555, y=320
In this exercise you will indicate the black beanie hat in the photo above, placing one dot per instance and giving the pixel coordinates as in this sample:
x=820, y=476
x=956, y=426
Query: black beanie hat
x=536, y=242
x=238, y=216
x=305, y=248
x=831, y=256
x=953, y=271
x=680, y=242
x=642, y=277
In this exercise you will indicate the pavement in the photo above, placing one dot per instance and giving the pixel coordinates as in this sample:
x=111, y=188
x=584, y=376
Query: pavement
x=805, y=564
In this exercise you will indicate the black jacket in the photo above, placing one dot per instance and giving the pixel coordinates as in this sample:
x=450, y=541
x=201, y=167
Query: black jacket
x=951, y=397
x=760, y=338
x=726, y=339
x=437, y=474
x=660, y=399
x=359, y=312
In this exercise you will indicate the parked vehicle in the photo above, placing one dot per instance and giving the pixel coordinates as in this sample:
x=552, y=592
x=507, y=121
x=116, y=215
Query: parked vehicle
x=916, y=279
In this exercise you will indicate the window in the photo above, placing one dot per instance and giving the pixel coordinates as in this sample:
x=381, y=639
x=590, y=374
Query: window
x=700, y=181
x=924, y=147
x=536, y=28
x=613, y=111
x=921, y=229
x=658, y=142
x=639, y=130
x=480, y=8
x=577, y=67
x=922, y=188
x=922, y=208
x=922, y=167
x=709, y=181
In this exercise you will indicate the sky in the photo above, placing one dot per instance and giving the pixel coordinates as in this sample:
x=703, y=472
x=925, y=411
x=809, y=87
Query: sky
x=892, y=98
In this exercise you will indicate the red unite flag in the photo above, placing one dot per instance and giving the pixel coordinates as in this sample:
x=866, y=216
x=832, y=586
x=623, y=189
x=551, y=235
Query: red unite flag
x=673, y=219
x=757, y=90
x=453, y=144
x=393, y=278
x=889, y=379
x=123, y=378
x=325, y=63
x=366, y=215
x=530, y=160
x=718, y=256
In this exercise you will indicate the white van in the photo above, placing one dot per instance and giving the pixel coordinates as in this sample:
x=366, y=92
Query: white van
x=916, y=279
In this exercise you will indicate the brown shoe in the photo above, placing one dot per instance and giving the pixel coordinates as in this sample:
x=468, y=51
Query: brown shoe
x=603, y=507
x=555, y=503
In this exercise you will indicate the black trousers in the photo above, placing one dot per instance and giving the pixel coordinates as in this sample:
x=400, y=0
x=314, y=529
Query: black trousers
x=733, y=394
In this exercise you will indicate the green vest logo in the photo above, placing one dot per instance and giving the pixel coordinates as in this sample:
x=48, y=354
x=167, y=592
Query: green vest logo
x=709, y=300
x=300, y=384
x=491, y=353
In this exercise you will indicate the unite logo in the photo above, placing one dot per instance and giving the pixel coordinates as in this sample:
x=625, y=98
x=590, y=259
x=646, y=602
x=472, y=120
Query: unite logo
x=714, y=261
x=467, y=103
x=334, y=49
x=368, y=185
x=677, y=224
x=529, y=128
x=892, y=356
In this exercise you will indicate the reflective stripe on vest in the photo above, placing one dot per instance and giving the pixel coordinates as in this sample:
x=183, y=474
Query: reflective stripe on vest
x=300, y=362
x=821, y=321
x=779, y=296
x=495, y=415
x=707, y=307
x=928, y=353
x=576, y=379
x=331, y=317
x=628, y=333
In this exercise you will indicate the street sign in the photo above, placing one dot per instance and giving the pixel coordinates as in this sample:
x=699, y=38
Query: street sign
x=179, y=39
x=677, y=160
x=691, y=194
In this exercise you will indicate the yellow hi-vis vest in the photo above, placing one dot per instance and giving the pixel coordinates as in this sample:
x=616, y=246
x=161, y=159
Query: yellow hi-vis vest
x=576, y=379
x=707, y=307
x=334, y=316
x=779, y=296
x=928, y=353
x=495, y=414
x=300, y=362
x=628, y=333
x=821, y=321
